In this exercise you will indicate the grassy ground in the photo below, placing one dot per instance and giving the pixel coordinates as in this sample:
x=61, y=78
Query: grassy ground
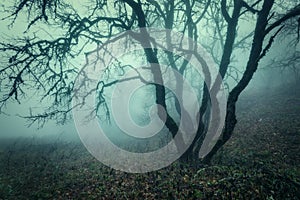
x=261, y=161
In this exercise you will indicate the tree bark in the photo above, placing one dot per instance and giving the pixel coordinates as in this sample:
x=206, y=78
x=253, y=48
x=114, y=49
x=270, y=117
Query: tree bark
x=252, y=64
x=157, y=76
x=211, y=91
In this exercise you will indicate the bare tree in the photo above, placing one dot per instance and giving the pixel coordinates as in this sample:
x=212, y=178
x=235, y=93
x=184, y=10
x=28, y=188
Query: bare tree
x=46, y=63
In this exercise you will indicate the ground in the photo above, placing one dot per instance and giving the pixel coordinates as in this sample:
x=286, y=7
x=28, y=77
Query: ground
x=261, y=161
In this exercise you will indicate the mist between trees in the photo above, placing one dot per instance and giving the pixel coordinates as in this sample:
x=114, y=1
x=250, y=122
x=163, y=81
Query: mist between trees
x=254, y=45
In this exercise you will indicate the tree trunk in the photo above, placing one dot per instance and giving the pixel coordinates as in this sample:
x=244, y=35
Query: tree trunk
x=157, y=76
x=255, y=54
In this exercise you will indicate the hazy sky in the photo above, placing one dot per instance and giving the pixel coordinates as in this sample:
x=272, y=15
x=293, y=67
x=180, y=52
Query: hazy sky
x=12, y=125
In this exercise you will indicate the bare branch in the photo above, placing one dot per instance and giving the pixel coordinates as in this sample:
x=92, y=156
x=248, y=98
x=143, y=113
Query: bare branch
x=293, y=13
x=251, y=8
x=271, y=40
x=224, y=11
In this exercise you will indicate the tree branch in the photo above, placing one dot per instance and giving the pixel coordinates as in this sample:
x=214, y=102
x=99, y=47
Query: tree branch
x=224, y=11
x=293, y=13
x=250, y=8
x=267, y=48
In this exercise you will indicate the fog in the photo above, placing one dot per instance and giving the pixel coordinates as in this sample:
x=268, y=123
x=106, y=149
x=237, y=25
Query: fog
x=146, y=99
x=268, y=78
x=13, y=125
